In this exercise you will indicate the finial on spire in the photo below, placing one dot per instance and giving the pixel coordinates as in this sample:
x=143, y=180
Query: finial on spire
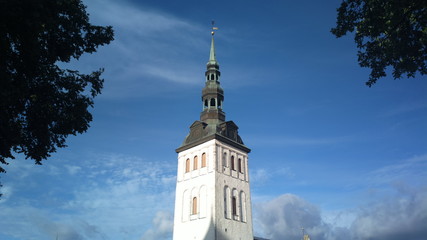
x=213, y=28
x=212, y=58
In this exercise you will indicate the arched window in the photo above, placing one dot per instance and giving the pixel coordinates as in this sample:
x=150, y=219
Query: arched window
x=194, y=209
x=212, y=76
x=234, y=206
x=203, y=160
x=227, y=202
x=213, y=102
x=233, y=167
x=195, y=163
x=206, y=103
x=187, y=165
x=240, y=165
x=243, y=206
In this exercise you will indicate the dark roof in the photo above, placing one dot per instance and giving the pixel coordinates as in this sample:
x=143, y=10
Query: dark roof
x=201, y=132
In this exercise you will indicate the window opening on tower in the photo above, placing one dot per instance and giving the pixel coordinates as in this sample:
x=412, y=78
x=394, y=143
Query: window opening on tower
x=187, y=165
x=195, y=163
x=194, y=210
x=203, y=160
x=234, y=205
x=233, y=167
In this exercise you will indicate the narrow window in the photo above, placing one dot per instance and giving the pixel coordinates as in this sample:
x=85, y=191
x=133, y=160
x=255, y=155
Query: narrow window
x=243, y=206
x=187, y=165
x=234, y=206
x=227, y=202
x=224, y=160
x=240, y=165
x=206, y=103
x=203, y=160
x=233, y=167
x=213, y=102
x=194, y=210
x=195, y=163
x=212, y=76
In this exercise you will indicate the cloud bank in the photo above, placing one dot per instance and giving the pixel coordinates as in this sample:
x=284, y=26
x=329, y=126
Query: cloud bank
x=397, y=217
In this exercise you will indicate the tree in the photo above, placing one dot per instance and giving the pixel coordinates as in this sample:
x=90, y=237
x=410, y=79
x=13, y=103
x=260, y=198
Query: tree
x=391, y=33
x=40, y=103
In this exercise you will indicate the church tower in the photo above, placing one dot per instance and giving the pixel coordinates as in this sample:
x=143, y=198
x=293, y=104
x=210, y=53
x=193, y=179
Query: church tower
x=213, y=199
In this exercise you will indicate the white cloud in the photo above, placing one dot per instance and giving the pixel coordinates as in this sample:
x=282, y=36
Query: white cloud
x=402, y=215
x=411, y=168
x=72, y=169
x=260, y=176
x=162, y=227
x=111, y=196
x=284, y=216
x=151, y=48
x=276, y=141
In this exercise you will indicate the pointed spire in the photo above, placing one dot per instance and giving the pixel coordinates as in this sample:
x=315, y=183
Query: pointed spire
x=212, y=57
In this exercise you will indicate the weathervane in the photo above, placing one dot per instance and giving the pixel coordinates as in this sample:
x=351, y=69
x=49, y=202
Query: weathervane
x=213, y=28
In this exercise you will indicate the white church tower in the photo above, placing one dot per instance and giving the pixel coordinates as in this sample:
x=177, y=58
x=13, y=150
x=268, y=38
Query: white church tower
x=213, y=199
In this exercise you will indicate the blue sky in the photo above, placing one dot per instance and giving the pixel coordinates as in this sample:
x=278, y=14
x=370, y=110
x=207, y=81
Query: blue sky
x=328, y=153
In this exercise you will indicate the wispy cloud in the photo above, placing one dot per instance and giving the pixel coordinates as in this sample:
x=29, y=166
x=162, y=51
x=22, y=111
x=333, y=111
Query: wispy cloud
x=413, y=169
x=111, y=195
x=260, y=176
x=278, y=141
x=149, y=50
x=403, y=109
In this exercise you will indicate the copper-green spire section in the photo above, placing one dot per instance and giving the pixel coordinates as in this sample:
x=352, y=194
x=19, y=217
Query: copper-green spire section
x=212, y=57
x=212, y=93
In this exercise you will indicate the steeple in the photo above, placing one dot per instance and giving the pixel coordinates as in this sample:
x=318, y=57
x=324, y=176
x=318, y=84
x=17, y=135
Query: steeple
x=212, y=93
x=212, y=123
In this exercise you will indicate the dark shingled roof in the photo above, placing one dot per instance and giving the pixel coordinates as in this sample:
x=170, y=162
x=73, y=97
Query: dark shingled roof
x=201, y=132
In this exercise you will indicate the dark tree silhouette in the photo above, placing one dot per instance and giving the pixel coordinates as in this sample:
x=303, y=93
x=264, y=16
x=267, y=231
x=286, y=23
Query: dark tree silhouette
x=390, y=33
x=40, y=103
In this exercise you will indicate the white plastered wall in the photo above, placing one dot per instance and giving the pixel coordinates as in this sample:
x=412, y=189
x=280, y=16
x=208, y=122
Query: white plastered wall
x=211, y=221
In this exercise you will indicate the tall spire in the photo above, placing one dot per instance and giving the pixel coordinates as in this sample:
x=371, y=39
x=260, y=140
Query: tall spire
x=212, y=57
x=212, y=93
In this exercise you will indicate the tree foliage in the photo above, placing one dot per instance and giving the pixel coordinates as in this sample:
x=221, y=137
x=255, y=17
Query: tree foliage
x=388, y=33
x=40, y=103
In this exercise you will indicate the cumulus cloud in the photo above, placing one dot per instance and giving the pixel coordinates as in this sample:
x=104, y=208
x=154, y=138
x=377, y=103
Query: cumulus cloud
x=400, y=216
x=161, y=228
x=284, y=216
x=403, y=216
